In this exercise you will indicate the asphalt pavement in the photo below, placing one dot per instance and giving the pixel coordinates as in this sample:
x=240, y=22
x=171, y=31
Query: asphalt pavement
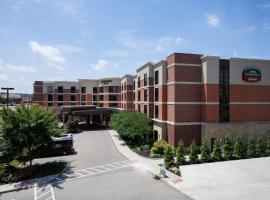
x=98, y=171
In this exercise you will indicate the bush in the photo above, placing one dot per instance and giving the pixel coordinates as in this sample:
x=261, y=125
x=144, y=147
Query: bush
x=251, y=148
x=260, y=150
x=205, y=152
x=268, y=147
x=193, y=155
x=132, y=127
x=217, y=152
x=159, y=148
x=238, y=151
x=228, y=147
x=180, y=153
x=168, y=157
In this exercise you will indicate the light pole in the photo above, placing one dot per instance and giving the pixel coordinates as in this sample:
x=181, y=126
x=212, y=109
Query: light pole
x=7, y=91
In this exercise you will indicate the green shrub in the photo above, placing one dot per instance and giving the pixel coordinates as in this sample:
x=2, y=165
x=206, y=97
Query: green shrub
x=260, y=150
x=168, y=157
x=217, y=152
x=228, y=147
x=159, y=147
x=268, y=147
x=193, y=155
x=238, y=151
x=251, y=148
x=205, y=152
x=180, y=153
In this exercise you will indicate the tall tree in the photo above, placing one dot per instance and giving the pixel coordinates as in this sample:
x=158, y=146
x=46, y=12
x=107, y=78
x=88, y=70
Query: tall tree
x=238, y=151
x=205, y=152
x=260, y=150
x=193, y=154
x=26, y=130
x=251, y=149
x=168, y=157
x=180, y=153
x=217, y=152
x=228, y=147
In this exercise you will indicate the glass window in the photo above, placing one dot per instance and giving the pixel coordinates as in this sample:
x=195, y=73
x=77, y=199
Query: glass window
x=72, y=97
x=95, y=98
x=139, y=82
x=49, y=89
x=145, y=95
x=145, y=79
x=60, y=89
x=83, y=98
x=156, y=111
x=60, y=98
x=60, y=104
x=95, y=90
x=134, y=85
x=113, y=104
x=50, y=97
x=100, y=89
x=101, y=97
x=72, y=89
x=50, y=104
x=145, y=109
x=156, y=77
x=83, y=89
x=156, y=94
x=112, y=97
x=139, y=95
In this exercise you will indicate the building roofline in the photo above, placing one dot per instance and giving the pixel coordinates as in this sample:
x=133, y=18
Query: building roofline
x=145, y=65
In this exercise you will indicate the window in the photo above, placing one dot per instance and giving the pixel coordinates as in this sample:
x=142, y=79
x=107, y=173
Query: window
x=156, y=77
x=156, y=94
x=60, y=89
x=49, y=89
x=156, y=111
x=50, y=97
x=73, y=104
x=134, y=96
x=83, y=89
x=101, y=97
x=100, y=89
x=224, y=101
x=83, y=98
x=145, y=79
x=113, y=89
x=50, y=104
x=134, y=85
x=112, y=97
x=113, y=104
x=72, y=89
x=145, y=95
x=72, y=97
x=125, y=86
x=145, y=109
x=100, y=104
x=83, y=104
x=95, y=98
x=95, y=90
x=60, y=98
x=60, y=104
x=95, y=104
x=139, y=82
x=122, y=87
x=139, y=95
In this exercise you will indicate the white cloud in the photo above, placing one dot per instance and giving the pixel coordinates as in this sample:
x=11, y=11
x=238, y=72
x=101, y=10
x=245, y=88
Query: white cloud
x=68, y=48
x=212, y=19
x=100, y=66
x=3, y=77
x=20, y=68
x=116, y=53
x=48, y=52
x=167, y=42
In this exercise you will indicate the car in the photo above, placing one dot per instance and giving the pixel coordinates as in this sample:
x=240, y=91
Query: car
x=64, y=143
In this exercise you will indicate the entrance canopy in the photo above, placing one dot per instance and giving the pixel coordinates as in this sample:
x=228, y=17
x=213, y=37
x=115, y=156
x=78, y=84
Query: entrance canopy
x=87, y=110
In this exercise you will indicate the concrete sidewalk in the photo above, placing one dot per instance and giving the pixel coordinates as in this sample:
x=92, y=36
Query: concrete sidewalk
x=150, y=164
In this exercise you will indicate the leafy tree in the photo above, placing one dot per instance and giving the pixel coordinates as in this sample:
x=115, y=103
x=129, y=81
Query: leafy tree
x=228, y=147
x=2, y=100
x=217, y=152
x=193, y=155
x=205, y=152
x=26, y=130
x=131, y=126
x=238, y=149
x=251, y=149
x=268, y=147
x=180, y=153
x=260, y=150
x=159, y=147
x=168, y=157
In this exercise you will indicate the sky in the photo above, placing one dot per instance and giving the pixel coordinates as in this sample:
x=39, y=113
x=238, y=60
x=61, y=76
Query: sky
x=75, y=39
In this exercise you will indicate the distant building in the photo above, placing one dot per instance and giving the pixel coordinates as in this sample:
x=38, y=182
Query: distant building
x=187, y=96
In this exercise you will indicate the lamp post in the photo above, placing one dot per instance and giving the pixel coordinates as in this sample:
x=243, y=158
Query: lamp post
x=7, y=91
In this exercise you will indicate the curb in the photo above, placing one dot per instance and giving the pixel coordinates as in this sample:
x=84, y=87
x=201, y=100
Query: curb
x=42, y=180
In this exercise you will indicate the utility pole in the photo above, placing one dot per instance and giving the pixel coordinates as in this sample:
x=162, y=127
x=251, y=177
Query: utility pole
x=7, y=92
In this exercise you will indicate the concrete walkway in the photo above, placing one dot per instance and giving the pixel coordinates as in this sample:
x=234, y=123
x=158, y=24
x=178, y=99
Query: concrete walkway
x=150, y=164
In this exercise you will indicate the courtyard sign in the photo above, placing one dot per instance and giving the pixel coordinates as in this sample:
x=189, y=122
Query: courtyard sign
x=251, y=75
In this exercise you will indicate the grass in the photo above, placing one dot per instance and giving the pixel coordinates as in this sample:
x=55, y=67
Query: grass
x=35, y=171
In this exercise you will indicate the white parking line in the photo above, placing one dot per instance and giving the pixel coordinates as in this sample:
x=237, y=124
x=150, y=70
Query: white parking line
x=44, y=193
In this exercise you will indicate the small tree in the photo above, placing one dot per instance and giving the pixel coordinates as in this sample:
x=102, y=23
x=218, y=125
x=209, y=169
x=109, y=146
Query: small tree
x=26, y=130
x=180, y=153
x=205, y=152
x=251, y=149
x=159, y=147
x=238, y=151
x=268, y=147
x=193, y=155
x=260, y=150
x=168, y=157
x=217, y=152
x=228, y=147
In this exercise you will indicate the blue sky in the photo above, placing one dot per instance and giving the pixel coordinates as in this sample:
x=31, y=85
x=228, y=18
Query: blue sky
x=71, y=39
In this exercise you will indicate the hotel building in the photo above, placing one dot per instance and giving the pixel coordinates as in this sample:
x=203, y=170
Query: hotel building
x=187, y=96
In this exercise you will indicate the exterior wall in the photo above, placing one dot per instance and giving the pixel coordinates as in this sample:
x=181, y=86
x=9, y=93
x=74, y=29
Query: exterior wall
x=127, y=92
x=245, y=130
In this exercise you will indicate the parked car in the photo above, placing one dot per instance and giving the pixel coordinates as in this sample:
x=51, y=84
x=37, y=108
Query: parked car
x=64, y=143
